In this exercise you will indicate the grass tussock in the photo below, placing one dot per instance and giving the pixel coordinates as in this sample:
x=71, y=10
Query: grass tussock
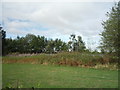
x=66, y=58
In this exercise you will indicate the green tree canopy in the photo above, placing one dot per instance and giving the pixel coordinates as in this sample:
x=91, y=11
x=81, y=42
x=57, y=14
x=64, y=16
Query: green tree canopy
x=76, y=44
x=110, y=36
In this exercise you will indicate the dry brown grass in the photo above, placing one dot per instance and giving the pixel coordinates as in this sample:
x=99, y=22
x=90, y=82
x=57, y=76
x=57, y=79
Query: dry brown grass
x=69, y=59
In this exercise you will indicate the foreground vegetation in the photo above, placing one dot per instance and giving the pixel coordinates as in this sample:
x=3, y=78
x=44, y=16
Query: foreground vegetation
x=67, y=58
x=54, y=76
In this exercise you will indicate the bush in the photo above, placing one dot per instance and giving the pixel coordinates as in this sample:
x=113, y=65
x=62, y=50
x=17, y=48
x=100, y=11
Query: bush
x=64, y=58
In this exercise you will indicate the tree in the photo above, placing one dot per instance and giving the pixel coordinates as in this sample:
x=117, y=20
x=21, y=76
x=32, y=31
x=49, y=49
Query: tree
x=9, y=45
x=2, y=38
x=58, y=45
x=81, y=44
x=110, y=35
x=76, y=44
x=42, y=43
x=64, y=47
x=50, y=46
x=73, y=42
x=2, y=33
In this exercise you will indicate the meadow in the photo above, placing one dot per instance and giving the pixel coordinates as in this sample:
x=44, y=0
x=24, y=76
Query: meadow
x=54, y=76
x=66, y=59
x=46, y=57
x=62, y=70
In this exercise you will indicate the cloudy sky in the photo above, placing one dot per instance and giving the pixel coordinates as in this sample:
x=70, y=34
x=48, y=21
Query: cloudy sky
x=55, y=19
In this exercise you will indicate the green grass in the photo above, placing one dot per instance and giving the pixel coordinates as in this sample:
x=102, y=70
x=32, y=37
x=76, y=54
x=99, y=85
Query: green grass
x=53, y=76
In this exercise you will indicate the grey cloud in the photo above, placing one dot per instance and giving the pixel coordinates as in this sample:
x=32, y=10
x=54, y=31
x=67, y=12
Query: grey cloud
x=62, y=19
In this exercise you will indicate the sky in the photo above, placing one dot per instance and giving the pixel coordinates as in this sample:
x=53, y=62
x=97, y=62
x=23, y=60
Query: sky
x=55, y=19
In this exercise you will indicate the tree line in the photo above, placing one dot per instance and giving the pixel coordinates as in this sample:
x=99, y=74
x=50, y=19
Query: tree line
x=40, y=44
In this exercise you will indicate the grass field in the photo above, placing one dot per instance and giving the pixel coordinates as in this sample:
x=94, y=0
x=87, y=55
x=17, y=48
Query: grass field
x=54, y=76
